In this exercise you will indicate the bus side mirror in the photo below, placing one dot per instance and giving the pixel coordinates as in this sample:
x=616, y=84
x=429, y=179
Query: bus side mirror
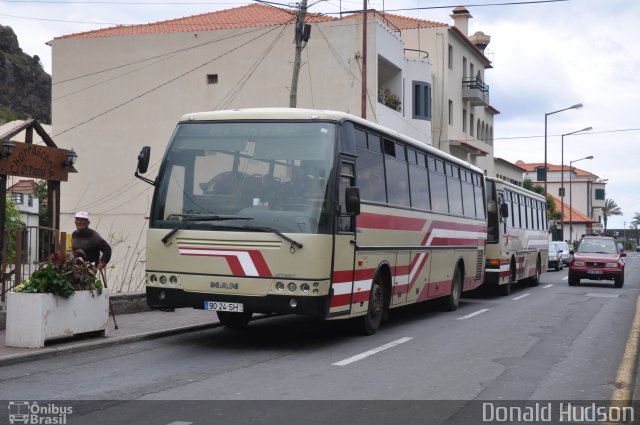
x=352, y=199
x=504, y=210
x=143, y=159
x=143, y=164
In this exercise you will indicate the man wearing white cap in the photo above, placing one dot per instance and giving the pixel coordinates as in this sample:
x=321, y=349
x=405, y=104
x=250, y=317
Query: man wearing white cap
x=89, y=241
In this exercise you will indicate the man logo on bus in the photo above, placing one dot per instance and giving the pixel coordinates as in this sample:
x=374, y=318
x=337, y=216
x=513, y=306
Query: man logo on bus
x=224, y=285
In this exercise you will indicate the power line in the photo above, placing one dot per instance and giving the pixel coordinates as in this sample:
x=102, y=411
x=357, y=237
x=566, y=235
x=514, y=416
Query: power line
x=161, y=85
x=515, y=3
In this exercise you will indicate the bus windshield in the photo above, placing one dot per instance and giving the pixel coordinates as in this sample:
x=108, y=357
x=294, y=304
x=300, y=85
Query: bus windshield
x=268, y=174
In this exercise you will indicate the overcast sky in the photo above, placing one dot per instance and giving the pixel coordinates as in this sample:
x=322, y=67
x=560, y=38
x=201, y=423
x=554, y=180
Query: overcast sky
x=546, y=57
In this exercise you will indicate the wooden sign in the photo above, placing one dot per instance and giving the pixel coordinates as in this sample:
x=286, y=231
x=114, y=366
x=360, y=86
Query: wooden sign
x=35, y=161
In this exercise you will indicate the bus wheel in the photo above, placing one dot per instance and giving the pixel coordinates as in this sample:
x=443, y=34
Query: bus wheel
x=452, y=301
x=535, y=280
x=370, y=322
x=234, y=320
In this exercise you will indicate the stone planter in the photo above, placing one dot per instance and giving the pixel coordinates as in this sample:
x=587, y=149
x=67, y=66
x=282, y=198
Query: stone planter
x=34, y=318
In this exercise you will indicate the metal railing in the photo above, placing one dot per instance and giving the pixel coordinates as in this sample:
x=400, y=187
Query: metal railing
x=23, y=250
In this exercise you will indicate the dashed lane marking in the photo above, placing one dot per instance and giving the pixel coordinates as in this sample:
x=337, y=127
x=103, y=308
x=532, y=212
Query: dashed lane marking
x=468, y=316
x=372, y=352
x=547, y=286
x=521, y=297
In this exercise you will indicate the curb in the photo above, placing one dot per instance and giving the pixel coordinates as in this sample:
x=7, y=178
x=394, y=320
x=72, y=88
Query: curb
x=106, y=342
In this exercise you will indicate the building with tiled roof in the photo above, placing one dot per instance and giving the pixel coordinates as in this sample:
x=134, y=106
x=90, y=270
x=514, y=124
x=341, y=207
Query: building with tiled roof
x=119, y=88
x=583, y=190
x=574, y=224
x=463, y=116
x=251, y=16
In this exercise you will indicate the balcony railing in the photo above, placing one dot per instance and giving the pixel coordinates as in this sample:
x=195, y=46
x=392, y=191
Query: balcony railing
x=475, y=91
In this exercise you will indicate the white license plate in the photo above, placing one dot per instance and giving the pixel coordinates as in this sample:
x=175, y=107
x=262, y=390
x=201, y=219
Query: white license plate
x=222, y=306
x=594, y=271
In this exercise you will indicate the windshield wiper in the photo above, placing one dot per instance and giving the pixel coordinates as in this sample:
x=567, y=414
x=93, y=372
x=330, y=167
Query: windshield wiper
x=187, y=218
x=272, y=230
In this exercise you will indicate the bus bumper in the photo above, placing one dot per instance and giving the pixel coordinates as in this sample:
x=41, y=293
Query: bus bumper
x=279, y=304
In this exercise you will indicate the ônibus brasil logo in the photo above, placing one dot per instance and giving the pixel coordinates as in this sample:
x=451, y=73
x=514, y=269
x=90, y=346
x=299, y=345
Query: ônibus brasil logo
x=25, y=412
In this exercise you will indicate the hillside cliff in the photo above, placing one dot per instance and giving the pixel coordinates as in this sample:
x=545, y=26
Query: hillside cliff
x=25, y=88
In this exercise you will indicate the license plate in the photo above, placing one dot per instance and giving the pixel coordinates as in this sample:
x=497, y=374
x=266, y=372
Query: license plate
x=594, y=271
x=223, y=306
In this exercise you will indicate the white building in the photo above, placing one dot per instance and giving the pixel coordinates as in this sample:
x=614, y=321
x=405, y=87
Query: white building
x=462, y=113
x=117, y=89
x=584, y=192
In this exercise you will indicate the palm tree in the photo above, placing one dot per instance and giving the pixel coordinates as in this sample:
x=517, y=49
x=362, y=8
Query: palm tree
x=636, y=219
x=610, y=208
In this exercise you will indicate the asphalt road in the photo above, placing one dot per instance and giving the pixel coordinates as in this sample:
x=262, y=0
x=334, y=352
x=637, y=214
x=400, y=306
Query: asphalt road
x=552, y=342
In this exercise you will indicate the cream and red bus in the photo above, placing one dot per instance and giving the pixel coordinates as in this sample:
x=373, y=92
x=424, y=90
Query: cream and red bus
x=517, y=236
x=316, y=213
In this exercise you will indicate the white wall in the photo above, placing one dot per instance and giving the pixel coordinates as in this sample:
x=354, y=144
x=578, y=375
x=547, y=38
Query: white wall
x=113, y=95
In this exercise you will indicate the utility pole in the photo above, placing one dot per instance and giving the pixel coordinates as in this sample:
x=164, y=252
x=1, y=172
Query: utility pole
x=363, y=99
x=302, y=34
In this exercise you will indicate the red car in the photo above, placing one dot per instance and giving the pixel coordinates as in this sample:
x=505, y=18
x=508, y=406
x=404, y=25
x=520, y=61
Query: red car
x=597, y=258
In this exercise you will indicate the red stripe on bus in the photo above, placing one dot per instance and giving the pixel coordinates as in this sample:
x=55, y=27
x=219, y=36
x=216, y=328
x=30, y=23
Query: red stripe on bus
x=389, y=222
x=341, y=276
x=259, y=262
x=234, y=265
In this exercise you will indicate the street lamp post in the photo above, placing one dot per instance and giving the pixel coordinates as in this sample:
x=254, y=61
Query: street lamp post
x=576, y=106
x=570, y=197
x=562, y=179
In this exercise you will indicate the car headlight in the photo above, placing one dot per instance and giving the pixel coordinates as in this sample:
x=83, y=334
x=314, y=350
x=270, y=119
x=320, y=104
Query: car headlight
x=579, y=263
x=612, y=264
x=554, y=258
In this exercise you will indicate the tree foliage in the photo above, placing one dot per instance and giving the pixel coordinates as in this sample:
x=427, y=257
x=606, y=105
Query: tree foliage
x=610, y=208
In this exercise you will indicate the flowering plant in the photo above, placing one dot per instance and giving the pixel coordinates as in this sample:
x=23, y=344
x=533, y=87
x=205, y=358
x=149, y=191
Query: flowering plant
x=62, y=274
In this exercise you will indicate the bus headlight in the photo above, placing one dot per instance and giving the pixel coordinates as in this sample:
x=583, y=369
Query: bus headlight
x=163, y=280
x=304, y=287
x=153, y=279
x=279, y=286
x=292, y=287
x=173, y=280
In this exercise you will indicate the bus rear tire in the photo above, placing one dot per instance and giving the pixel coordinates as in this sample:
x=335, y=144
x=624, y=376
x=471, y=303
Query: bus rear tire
x=234, y=320
x=535, y=280
x=370, y=322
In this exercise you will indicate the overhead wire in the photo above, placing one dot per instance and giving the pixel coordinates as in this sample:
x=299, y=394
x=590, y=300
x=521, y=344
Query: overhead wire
x=141, y=95
x=233, y=93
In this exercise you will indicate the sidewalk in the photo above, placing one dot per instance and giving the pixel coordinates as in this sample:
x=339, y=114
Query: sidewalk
x=131, y=327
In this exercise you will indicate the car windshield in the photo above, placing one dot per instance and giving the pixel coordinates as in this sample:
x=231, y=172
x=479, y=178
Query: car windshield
x=599, y=246
x=553, y=248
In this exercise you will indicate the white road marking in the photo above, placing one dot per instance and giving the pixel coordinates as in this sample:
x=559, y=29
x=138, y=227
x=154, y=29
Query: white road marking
x=565, y=278
x=468, y=316
x=372, y=352
x=603, y=295
x=547, y=286
x=180, y=423
x=521, y=297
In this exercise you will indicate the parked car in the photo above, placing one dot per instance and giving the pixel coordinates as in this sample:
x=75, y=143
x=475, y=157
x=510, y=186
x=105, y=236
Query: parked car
x=566, y=256
x=597, y=258
x=555, y=257
x=638, y=248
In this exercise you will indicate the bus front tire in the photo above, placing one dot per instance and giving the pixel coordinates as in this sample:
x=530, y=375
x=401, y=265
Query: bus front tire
x=370, y=322
x=234, y=320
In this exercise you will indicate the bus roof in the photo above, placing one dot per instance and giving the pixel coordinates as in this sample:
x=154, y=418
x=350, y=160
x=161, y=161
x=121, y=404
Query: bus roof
x=517, y=188
x=316, y=114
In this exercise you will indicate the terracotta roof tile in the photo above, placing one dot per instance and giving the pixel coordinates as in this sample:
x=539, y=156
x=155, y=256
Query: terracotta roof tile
x=399, y=21
x=253, y=15
x=533, y=166
x=576, y=216
x=24, y=186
